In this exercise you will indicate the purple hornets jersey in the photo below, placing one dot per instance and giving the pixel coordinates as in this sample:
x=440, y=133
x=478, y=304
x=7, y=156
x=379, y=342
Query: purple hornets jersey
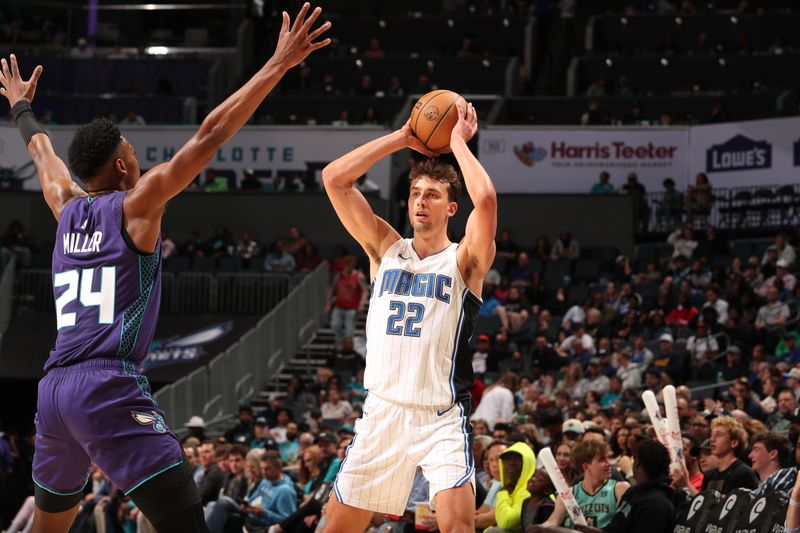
x=107, y=295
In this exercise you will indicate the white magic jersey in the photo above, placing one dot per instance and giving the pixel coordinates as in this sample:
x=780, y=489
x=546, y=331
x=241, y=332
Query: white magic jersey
x=421, y=317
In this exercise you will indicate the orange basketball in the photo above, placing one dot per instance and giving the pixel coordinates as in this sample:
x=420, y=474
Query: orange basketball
x=433, y=118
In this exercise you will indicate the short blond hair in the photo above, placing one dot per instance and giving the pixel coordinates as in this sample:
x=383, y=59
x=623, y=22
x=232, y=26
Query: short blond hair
x=736, y=431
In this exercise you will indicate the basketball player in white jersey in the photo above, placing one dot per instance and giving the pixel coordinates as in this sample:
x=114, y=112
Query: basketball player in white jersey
x=422, y=313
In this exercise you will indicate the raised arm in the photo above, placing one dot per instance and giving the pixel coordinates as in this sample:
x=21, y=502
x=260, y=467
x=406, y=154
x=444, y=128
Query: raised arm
x=54, y=178
x=373, y=233
x=476, y=251
x=154, y=189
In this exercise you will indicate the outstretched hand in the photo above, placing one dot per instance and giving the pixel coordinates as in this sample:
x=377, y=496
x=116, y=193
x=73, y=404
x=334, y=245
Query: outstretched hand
x=413, y=142
x=467, y=125
x=295, y=42
x=14, y=88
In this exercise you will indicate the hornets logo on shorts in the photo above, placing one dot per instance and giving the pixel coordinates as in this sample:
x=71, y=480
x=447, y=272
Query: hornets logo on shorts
x=150, y=418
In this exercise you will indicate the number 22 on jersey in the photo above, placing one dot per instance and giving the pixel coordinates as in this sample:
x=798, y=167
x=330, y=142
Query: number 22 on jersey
x=404, y=318
x=79, y=285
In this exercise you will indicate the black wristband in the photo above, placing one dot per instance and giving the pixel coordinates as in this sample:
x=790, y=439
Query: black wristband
x=26, y=121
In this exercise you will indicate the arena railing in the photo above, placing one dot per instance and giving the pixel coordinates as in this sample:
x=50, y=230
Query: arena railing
x=6, y=294
x=734, y=208
x=216, y=390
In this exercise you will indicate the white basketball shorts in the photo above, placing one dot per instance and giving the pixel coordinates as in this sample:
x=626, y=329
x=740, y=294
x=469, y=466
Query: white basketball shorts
x=390, y=441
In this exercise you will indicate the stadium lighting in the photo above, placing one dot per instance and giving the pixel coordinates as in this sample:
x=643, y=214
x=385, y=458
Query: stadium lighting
x=609, y=62
x=678, y=21
x=664, y=62
x=157, y=50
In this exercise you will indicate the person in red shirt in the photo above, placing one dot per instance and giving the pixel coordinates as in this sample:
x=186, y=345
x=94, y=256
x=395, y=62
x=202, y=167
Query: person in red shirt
x=346, y=297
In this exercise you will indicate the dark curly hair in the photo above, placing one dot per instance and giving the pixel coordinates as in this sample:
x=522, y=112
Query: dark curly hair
x=92, y=147
x=435, y=170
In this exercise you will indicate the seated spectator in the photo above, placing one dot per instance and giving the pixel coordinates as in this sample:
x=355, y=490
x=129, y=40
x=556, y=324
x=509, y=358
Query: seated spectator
x=728, y=440
x=273, y=500
x=565, y=247
x=279, y=260
x=521, y=272
x=517, y=465
x=744, y=400
x=307, y=258
x=648, y=505
x=497, y=403
x=699, y=197
x=782, y=249
x=718, y=304
x=514, y=312
x=247, y=248
x=221, y=244
x=783, y=280
x=683, y=242
x=597, y=494
x=538, y=508
x=628, y=372
x=770, y=316
x=261, y=435
x=335, y=409
x=15, y=244
x=295, y=241
x=242, y=432
x=603, y=186
x=670, y=211
x=771, y=456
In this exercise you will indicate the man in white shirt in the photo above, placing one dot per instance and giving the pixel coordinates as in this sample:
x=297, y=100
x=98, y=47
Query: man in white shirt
x=720, y=305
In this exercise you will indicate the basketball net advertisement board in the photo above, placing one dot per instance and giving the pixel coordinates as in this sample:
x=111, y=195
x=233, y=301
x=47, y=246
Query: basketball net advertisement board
x=569, y=160
x=277, y=155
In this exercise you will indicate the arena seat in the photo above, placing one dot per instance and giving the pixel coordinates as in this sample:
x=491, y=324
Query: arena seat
x=724, y=515
x=691, y=516
x=766, y=515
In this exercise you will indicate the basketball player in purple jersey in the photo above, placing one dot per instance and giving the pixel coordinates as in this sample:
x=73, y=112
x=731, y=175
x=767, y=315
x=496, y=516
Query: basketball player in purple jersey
x=93, y=404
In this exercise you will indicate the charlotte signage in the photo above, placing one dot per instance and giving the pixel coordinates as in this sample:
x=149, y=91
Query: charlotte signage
x=741, y=154
x=570, y=160
x=738, y=153
x=288, y=153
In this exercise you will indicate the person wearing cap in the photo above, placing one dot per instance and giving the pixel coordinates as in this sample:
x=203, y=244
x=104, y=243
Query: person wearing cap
x=242, y=432
x=788, y=350
x=782, y=250
x=517, y=465
x=782, y=274
x=597, y=494
x=480, y=355
x=572, y=429
x=196, y=427
x=670, y=360
x=261, y=435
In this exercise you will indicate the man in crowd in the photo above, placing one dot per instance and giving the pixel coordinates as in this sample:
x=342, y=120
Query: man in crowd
x=770, y=456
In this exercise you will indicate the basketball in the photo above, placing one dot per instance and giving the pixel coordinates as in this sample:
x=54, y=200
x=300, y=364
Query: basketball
x=433, y=118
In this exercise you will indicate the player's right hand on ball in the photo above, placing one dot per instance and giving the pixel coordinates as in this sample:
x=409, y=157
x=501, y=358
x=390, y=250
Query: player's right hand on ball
x=295, y=42
x=413, y=142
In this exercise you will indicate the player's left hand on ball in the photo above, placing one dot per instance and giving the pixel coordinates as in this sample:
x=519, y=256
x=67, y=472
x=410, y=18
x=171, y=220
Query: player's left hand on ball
x=467, y=125
x=13, y=86
x=413, y=142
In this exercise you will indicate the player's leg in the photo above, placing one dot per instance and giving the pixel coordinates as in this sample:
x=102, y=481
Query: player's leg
x=60, y=465
x=448, y=465
x=455, y=509
x=342, y=518
x=171, y=502
x=54, y=512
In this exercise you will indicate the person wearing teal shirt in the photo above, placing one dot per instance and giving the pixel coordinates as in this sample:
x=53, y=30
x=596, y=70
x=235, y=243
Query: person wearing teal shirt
x=603, y=187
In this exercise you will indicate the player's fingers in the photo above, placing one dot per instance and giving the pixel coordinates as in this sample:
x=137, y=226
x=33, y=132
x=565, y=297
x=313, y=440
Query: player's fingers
x=319, y=31
x=3, y=91
x=14, y=66
x=311, y=19
x=36, y=73
x=298, y=21
x=285, y=23
x=322, y=44
x=4, y=65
